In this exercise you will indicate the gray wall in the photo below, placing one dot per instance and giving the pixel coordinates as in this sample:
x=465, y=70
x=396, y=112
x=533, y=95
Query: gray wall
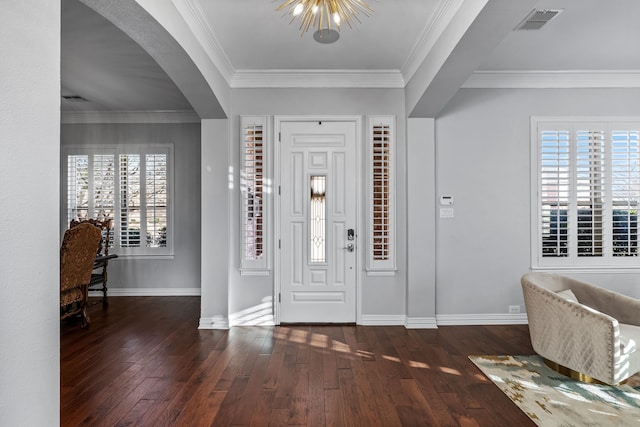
x=482, y=160
x=180, y=275
x=29, y=200
x=481, y=156
x=421, y=228
x=381, y=296
x=215, y=225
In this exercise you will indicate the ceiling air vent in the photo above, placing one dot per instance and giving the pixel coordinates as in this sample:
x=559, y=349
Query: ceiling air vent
x=537, y=18
x=74, y=98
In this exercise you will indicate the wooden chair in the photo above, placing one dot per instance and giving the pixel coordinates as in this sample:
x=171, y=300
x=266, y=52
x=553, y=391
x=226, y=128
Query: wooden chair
x=99, y=276
x=77, y=255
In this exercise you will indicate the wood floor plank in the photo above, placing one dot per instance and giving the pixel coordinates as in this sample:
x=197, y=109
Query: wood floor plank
x=158, y=369
x=334, y=412
x=316, y=416
x=262, y=413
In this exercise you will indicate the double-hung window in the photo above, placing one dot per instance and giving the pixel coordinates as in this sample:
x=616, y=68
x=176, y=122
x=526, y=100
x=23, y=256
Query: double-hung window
x=586, y=195
x=131, y=185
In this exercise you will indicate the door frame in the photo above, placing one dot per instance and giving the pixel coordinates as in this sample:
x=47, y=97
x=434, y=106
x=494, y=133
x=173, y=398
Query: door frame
x=360, y=236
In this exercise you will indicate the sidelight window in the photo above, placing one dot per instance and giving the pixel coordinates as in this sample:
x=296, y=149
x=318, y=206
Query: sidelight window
x=381, y=223
x=253, y=176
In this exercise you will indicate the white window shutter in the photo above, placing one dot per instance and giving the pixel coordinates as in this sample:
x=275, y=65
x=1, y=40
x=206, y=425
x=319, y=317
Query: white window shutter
x=78, y=184
x=253, y=195
x=129, y=221
x=555, y=180
x=381, y=230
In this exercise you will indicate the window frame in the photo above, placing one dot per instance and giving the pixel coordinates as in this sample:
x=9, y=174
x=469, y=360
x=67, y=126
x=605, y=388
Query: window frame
x=116, y=150
x=574, y=262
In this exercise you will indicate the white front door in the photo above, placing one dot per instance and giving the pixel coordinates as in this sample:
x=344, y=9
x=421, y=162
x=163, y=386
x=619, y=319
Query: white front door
x=318, y=221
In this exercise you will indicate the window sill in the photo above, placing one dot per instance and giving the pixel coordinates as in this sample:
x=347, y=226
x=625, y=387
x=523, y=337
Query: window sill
x=612, y=269
x=146, y=256
x=382, y=272
x=247, y=272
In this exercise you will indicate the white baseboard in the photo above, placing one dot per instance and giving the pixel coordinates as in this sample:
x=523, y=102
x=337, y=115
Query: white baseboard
x=149, y=292
x=215, y=322
x=443, y=320
x=383, y=320
x=267, y=320
x=481, y=319
x=421, y=323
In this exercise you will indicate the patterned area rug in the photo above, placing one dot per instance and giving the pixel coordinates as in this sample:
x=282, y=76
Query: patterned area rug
x=551, y=399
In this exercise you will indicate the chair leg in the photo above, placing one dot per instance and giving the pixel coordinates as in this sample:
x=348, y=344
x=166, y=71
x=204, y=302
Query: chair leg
x=85, y=317
x=85, y=303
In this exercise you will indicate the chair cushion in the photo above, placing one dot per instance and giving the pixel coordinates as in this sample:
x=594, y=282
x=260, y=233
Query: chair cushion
x=629, y=346
x=568, y=294
x=629, y=338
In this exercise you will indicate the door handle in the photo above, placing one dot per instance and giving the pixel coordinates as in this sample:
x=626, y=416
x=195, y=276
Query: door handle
x=350, y=247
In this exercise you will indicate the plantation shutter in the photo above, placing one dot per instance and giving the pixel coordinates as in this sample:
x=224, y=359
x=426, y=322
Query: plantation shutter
x=104, y=172
x=156, y=199
x=589, y=189
x=130, y=200
x=253, y=170
x=381, y=251
x=555, y=180
x=625, y=193
x=77, y=187
x=90, y=186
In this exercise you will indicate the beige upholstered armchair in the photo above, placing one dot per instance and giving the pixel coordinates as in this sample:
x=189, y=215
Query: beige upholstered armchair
x=581, y=329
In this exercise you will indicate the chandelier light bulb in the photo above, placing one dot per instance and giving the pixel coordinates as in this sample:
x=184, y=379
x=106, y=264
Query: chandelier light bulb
x=314, y=9
x=298, y=9
x=336, y=18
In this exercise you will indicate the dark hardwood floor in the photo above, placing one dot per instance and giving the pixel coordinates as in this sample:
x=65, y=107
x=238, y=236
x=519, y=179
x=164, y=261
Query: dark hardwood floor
x=143, y=362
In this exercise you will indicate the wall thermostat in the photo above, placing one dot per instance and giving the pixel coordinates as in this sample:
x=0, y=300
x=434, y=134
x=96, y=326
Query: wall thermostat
x=446, y=200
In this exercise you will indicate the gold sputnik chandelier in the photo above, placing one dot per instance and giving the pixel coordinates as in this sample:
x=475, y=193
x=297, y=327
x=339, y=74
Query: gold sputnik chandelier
x=325, y=15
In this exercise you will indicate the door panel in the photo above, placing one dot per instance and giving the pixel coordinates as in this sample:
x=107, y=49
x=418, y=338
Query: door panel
x=317, y=207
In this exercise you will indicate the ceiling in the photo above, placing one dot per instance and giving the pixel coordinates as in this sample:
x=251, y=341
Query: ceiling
x=103, y=65
x=586, y=35
x=254, y=36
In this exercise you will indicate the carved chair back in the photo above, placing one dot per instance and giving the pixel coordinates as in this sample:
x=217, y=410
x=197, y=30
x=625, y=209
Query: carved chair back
x=104, y=225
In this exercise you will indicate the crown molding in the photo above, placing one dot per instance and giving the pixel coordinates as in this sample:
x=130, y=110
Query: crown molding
x=245, y=79
x=193, y=15
x=112, y=117
x=440, y=19
x=565, y=79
